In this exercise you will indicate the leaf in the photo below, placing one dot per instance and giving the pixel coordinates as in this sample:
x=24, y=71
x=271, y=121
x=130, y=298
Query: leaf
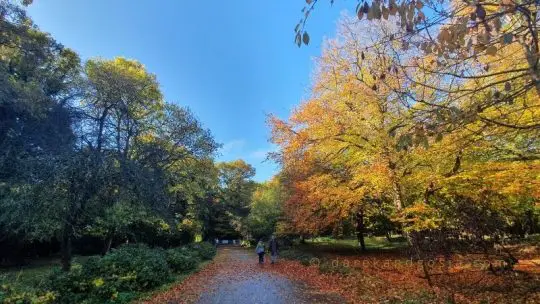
x=298, y=39
x=444, y=35
x=492, y=50
x=507, y=38
x=370, y=14
x=360, y=14
x=419, y=4
x=305, y=38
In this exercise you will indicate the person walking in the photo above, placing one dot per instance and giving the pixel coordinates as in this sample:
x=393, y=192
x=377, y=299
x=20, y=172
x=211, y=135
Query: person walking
x=260, y=251
x=273, y=246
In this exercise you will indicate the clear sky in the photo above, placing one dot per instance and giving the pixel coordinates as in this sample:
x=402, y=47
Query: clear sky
x=230, y=61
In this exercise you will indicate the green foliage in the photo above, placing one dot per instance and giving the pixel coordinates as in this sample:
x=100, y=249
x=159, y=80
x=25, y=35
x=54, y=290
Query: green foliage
x=114, y=278
x=38, y=77
x=94, y=149
x=266, y=209
x=121, y=276
x=204, y=250
x=236, y=188
x=136, y=266
x=182, y=259
x=9, y=295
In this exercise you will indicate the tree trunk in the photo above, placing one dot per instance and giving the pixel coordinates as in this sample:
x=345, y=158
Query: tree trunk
x=425, y=268
x=65, y=248
x=107, y=244
x=360, y=230
x=398, y=200
x=415, y=243
x=388, y=236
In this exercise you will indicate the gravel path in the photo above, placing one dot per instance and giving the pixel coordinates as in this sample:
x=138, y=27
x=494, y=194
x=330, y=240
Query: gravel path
x=235, y=277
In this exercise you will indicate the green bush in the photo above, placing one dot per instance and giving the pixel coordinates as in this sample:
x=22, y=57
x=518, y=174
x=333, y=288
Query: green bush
x=182, y=259
x=8, y=295
x=135, y=267
x=114, y=278
x=118, y=277
x=69, y=287
x=204, y=250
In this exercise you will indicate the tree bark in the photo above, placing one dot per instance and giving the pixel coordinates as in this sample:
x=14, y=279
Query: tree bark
x=65, y=248
x=107, y=244
x=415, y=242
x=388, y=236
x=360, y=227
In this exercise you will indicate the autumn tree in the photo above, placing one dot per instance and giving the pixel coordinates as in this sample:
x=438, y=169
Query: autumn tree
x=359, y=141
x=351, y=143
x=462, y=50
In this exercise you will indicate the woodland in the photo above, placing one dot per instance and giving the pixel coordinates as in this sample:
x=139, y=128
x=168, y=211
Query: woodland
x=418, y=141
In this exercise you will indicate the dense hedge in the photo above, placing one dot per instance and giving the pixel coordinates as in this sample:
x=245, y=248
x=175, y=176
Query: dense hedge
x=182, y=259
x=117, y=277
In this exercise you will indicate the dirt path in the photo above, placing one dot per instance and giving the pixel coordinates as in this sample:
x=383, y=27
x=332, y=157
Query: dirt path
x=235, y=277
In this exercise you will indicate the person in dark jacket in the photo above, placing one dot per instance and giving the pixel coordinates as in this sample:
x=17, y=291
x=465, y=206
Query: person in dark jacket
x=273, y=247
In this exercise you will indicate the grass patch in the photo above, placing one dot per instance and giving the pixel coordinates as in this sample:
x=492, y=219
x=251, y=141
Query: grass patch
x=350, y=246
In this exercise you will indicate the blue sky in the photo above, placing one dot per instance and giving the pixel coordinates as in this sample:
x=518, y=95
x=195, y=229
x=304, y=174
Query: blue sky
x=232, y=62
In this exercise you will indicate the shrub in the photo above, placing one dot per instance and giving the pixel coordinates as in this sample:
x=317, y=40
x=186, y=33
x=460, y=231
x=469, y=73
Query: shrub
x=135, y=267
x=182, y=259
x=204, y=250
x=69, y=287
x=114, y=278
x=120, y=275
x=10, y=296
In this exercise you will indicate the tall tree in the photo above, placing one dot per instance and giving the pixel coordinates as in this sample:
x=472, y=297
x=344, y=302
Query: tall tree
x=39, y=80
x=236, y=188
x=266, y=208
x=357, y=142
